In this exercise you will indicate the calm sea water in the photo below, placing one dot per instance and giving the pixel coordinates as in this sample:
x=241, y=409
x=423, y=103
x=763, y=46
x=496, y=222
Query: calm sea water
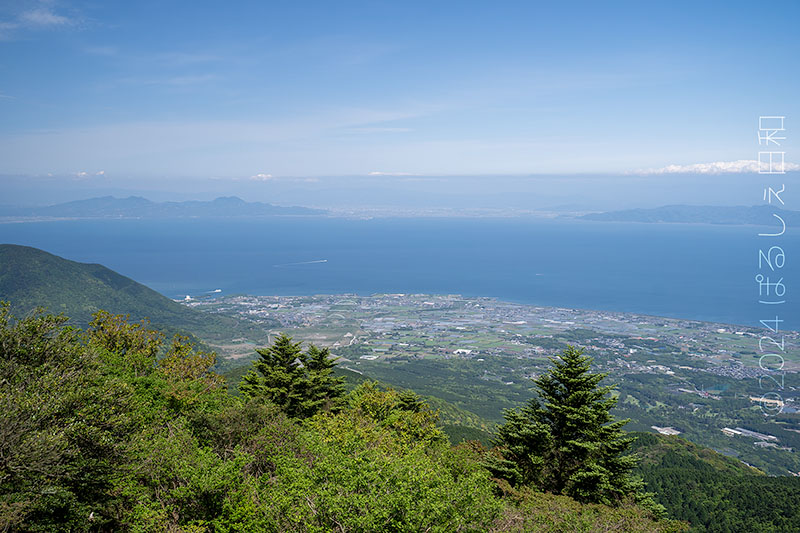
x=700, y=272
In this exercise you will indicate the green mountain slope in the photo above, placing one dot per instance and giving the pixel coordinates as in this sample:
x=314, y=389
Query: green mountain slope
x=31, y=278
x=656, y=449
x=713, y=492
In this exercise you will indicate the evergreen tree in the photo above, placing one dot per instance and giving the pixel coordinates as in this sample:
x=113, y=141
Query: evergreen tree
x=411, y=401
x=568, y=442
x=278, y=375
x=300, y=383
x=325, y=390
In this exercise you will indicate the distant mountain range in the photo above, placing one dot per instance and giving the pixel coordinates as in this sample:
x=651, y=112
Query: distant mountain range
x=761, y=215
x=31, y=278
x=138, y=207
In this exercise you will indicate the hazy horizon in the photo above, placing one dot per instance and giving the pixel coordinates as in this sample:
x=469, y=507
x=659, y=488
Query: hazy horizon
x=306, y=103
x=559, y=192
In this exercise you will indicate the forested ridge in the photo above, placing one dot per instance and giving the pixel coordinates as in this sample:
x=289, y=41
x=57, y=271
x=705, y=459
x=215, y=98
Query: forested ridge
x=31, y=278
x=716, y=494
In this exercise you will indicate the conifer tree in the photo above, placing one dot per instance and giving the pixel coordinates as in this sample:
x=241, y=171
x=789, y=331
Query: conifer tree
x=324, y=388
x=300, y=383
x=568, y=442
x=278, y=375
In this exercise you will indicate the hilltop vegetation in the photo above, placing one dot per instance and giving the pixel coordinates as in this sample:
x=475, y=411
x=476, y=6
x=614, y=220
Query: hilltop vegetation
x=111, y=429
x=32, y=278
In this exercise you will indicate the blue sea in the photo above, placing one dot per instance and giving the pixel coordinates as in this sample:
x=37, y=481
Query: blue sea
x=702, y=272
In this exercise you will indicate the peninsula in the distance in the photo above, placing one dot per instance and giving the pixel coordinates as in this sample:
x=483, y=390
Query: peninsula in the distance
x=138, y=207
x=760, y=215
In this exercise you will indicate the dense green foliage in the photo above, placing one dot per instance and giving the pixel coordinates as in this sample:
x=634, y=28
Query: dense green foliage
x=299, y=383
x=568, y=443
x=112, y=429
x=551, y=513
x=714, y=493
x=458, y=424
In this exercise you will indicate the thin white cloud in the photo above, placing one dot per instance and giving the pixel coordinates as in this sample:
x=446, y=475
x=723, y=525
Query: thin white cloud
x=379, y=173
x=84, y=175
x=43, y=17
x=172, y=81
x=182, y=58
x=297, y=145
x=106, y=51
x=270, y=177
x=189, y=80
x=7, y=30
x=377, y=130
x=741, y=166
x=38, y=18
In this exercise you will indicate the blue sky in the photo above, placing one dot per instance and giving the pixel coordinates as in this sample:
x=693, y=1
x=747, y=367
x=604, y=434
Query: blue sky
x=135, y=91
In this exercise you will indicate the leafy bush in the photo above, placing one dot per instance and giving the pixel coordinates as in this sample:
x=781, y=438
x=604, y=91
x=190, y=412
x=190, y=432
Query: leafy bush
x=112, y=430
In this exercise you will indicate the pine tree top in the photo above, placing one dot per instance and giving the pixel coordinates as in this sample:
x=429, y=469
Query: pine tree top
x=567, y=441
